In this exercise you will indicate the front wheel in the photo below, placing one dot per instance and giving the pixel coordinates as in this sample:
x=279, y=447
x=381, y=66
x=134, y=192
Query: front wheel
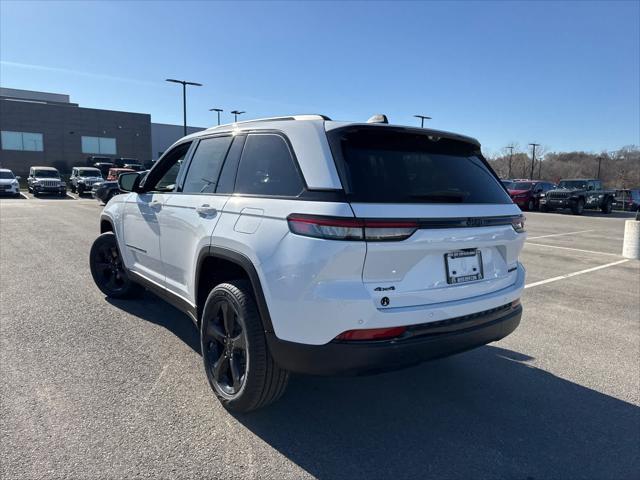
x=607, y=207
x=236, y=357
x=578, y=208
x=108, y=270
x=531, y=205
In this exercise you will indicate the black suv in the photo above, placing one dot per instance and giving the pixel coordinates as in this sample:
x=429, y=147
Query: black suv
x=578, y=194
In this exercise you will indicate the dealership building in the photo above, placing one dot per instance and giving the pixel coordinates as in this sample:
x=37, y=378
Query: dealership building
x=46, y=129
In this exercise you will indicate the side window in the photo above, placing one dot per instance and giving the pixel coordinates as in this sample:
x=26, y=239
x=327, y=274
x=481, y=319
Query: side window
x=204, y=168
x=163, y=176
x=267, y=168
x=227, y=180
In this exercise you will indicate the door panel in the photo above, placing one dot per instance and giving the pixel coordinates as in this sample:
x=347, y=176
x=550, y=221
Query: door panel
x=187, y=225
x=141, y=232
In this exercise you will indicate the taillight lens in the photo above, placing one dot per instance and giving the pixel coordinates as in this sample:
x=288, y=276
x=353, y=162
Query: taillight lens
x=341, y=228
x=518, y=224
x=372, y=334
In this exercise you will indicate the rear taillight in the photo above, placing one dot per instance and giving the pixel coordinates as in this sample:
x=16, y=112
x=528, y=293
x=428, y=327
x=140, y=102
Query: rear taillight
x=342, y=228
x=372, y=334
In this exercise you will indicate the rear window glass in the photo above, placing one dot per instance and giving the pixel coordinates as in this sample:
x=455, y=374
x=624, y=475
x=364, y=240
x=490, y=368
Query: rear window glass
x=391, y=166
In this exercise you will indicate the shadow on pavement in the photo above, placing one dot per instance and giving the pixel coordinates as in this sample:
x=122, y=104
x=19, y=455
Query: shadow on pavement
x=483, y=414
x=154, y=310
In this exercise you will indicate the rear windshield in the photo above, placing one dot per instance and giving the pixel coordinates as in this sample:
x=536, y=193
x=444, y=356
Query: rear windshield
x=521, y=186
x=381, y=165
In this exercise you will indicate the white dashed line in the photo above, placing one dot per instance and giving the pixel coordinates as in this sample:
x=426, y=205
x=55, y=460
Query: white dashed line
x=568, y=275
x=573, y=249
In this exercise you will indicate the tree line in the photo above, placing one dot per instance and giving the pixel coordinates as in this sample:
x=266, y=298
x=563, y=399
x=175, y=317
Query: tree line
x=618, y=169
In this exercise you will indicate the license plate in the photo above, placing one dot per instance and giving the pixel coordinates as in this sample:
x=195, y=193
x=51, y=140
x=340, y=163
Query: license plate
x=463, y=265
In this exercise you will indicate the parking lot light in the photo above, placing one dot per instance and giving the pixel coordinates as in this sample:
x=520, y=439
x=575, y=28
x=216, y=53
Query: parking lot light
x=184, y=84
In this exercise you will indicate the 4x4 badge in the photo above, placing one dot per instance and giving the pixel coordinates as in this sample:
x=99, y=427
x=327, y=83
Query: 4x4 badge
x=384, y=289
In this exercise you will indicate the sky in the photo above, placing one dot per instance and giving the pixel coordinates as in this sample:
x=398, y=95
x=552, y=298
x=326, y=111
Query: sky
x=562, y=74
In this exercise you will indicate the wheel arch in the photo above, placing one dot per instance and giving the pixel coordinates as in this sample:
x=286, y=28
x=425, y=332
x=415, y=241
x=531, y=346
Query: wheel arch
x=106, y=225
x=217, y=265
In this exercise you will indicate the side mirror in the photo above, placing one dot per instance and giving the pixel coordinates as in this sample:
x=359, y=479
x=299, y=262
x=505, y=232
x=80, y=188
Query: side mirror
x=129, y=181
x=18, y=177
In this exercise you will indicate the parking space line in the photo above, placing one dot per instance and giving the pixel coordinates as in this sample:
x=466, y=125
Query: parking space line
x=559, y=234
x=568, y=275
x=573, y=249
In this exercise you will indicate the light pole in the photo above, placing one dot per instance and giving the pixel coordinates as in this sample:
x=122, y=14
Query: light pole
x=217, y=110
x=184, y=84
x=422, y=119
x=510, y=147
x=533, y=158
x=236, y=113
x=599, y=163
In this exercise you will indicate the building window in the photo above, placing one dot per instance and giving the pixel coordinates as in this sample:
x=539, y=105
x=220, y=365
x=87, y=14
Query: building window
x=27, y=141
x=103, y=145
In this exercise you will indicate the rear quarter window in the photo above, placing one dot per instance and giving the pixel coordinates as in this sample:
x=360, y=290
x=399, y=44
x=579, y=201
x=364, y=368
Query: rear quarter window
x=380, y=165
x=267, y=168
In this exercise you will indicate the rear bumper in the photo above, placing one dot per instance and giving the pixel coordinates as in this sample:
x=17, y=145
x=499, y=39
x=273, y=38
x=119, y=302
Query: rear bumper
x=422, y=342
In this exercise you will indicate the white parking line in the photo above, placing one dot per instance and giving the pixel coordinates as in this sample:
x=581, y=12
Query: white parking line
x=568, y=275
x=559, y=234
x=573, y=249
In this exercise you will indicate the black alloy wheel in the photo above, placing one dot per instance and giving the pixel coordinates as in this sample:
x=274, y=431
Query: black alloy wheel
x=237, y=361
x=225, y=344
x=108, y=270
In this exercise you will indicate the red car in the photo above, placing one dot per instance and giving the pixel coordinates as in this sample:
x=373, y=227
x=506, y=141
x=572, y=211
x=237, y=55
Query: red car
x=526, y=194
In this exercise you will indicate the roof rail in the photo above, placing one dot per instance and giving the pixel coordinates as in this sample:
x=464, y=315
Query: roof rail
x=275, y=119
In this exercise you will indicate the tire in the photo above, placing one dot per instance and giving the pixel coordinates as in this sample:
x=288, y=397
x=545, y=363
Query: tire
x=607, y=207
x=531, y=205
x=63, y=194
x=73, y=189
x=108, y=271
x=80, y=190
x=237, y=361
x=578, y=208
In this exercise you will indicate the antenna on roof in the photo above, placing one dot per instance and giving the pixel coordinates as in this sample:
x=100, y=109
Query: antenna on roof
x=379, y=118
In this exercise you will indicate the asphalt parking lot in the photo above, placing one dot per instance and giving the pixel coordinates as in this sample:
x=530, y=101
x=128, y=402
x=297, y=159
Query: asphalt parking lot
x=93, y=388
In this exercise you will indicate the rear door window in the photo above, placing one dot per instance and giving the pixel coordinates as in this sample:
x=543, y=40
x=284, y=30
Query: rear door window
x=267, y=168
x=385, y=165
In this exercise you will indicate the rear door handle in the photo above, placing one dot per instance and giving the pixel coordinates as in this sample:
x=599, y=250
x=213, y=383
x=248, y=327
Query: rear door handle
x=206, y=210
x=155, y=205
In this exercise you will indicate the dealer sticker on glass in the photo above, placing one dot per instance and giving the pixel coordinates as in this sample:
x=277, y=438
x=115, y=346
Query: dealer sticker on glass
x=463, y=265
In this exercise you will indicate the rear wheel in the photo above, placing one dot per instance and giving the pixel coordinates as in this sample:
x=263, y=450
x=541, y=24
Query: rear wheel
x=608, y=206
x=108, y=270
x=578, y=207
x=236, y=357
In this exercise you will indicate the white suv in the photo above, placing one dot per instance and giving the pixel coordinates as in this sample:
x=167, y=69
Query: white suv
x=300, y=244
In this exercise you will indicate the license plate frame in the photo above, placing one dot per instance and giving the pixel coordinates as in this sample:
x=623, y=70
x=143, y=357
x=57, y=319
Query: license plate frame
x=461, y=267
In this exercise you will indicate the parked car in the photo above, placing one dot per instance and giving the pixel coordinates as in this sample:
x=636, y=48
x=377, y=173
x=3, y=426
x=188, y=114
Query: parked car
x=527, y=194
x=628, y=199
x=275, y=237
x=121, y=162
x=105, y=191
x=45, y=180
x=507, y=183
x=578, y=194
x=9, y=184
x=83, y=178
x=138, y=167
x=114, y=173
x=104, y=167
